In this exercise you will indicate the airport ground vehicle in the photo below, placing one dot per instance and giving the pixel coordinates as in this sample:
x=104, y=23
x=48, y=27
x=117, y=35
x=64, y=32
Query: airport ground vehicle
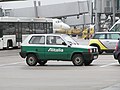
x=39, y=48
x=117, y=52
x=105, y=41
x=13, y=30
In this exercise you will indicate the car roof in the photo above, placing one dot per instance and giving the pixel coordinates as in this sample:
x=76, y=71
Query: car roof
x=105, y=32
x=46, y=34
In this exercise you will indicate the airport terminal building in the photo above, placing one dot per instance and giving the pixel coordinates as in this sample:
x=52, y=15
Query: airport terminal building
x=78, y=13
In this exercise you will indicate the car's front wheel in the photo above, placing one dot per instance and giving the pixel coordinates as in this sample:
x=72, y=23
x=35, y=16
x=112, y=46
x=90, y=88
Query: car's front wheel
x=77, y=60
x=119, y=61
x=31, y=60
x=42, y=62
x=119, y=58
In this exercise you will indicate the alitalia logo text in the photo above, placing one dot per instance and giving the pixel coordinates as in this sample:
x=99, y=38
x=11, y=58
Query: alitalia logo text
x=55, y=50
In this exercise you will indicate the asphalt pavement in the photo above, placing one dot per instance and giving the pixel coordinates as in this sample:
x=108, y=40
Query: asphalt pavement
x=15, y=74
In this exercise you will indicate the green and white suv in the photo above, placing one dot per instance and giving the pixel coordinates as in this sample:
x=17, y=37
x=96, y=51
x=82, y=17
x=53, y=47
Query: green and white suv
x=40, y=48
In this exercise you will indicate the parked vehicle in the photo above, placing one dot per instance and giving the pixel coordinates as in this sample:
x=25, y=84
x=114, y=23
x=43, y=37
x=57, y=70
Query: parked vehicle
x=13, y=30
x=117, y=52
x=105, y=41
x=39, y=48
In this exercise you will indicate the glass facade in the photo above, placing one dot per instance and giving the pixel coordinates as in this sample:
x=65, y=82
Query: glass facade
x=118, y=5
x=116, y=28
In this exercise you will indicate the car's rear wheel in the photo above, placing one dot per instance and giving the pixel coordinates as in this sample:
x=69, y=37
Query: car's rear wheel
x=77, y=60
x=42, y=62
x=31, y=60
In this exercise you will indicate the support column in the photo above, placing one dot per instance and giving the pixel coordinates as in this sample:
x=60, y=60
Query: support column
x=96, y=21
x=35, y=9
x=113, y=5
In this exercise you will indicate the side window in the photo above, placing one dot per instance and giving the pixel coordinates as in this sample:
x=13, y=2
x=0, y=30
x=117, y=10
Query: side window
x=37, y=40
x=99, y=36
x=51, y=40
x=8, y=28
x=59, y=41
x=114, y=36
x=54, y=40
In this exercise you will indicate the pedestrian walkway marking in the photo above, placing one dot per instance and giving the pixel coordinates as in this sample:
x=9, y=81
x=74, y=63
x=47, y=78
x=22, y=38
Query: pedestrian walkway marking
x=108, y=65
x=1, y=65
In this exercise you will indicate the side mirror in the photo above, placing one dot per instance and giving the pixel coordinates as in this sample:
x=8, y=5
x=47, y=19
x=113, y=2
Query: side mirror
x=63, y=43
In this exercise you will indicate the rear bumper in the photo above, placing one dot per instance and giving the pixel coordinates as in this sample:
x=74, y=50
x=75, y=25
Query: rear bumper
x=22, y=54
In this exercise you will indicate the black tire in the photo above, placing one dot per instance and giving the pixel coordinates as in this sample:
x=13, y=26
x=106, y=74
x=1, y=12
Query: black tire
x=42, y=63
x=119, y=58
x=9, y=44
x=31, y=60
x=99, y=50
x=87, y=63
x=119, y=61
x=109, y=51
x=77, y=60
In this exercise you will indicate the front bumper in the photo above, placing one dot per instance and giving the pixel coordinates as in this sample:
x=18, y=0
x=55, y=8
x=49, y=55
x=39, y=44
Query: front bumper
x=90, y=56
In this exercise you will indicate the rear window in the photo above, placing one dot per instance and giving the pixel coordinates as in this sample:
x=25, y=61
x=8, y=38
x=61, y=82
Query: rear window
x=37, y=40
x=113, y=36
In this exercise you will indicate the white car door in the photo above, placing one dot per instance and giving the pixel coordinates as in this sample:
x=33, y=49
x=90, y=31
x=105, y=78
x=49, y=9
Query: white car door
x=109, y=43
x=113, y=39
x=109, y=40
x=1, y=43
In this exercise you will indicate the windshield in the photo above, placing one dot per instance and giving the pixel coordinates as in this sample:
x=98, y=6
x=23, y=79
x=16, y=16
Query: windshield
x=70, y=40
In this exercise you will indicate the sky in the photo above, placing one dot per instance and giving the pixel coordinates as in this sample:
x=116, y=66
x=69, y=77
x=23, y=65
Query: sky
x=29, y=3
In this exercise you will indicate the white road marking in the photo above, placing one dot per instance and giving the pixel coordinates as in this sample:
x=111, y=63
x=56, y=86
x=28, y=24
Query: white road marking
x=106, y=65
x=113, y=87
x=1, y=65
